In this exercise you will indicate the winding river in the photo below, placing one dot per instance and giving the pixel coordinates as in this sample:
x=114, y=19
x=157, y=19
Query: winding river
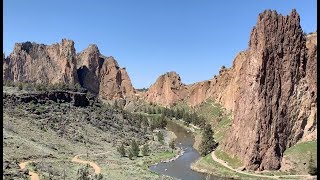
x=180, y=168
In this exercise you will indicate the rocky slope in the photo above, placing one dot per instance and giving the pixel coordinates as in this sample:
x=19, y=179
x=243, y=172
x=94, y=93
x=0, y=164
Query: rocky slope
x=59, y=64
x=270, y=88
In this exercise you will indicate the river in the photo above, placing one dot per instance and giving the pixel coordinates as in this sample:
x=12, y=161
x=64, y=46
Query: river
x=180, y=168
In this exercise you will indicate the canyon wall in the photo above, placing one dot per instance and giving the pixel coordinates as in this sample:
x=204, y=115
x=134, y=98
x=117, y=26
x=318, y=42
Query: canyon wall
x=59, y=64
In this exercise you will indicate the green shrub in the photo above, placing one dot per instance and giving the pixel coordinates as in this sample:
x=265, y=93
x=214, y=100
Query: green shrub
x=135, y=148
x=121, y=150
x=312, y=167
x=172, y=144
x=145, y=150
x=83, y=173
x=160, y=137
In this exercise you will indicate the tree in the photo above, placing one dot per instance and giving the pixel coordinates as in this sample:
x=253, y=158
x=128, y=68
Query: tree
x=20, y=86
x=186, y=118
x=172, y=144
x=135, y=148
x=130, y=154
x=98, y=177
x=163, y=121
x=207, y=142
x=83, y=173
x=312, y=167
x=121, y=150
x=160, y=137
x=145, y=150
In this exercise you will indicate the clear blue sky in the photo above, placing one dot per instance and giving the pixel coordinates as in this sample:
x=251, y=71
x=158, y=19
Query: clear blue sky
x=149, y=37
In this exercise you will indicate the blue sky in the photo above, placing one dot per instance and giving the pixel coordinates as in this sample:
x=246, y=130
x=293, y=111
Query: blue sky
x=149, y=37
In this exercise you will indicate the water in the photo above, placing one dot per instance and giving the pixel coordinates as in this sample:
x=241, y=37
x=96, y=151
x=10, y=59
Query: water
x=180, y=168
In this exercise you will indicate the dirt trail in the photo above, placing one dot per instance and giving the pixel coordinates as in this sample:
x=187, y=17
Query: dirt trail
x=215, y=158
x=33, y=175
x=97, y=169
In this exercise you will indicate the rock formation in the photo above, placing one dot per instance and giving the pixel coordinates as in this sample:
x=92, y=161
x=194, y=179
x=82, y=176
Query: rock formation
x=277, y=93
x=167, y=89
x=31, y=62
x=75, y=98
x=114, y=81
x=89, y=66
x=59, y=63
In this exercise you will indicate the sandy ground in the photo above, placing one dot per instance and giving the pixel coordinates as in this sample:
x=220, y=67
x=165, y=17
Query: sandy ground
x=33, y=175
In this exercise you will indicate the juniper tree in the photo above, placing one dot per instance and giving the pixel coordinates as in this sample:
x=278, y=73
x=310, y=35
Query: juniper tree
x=135, y=148
x=121, y=150
x=160, y=137
x=145, y=150
x=208, y=143
x=172, y=144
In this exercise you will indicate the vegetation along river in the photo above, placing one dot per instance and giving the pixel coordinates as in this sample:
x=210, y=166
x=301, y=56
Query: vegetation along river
x=180, y=168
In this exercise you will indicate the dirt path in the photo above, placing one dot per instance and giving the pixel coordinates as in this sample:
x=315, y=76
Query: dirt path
x=97, y=169
x=215, y=158
x=33, y=175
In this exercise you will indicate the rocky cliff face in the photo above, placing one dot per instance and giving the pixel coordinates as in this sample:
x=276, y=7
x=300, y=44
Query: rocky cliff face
x=31, y=62
x=277, y=95
x=59, y=63
x=89, y=66
x=270, y=88
x=114, y=81
x=167, y=89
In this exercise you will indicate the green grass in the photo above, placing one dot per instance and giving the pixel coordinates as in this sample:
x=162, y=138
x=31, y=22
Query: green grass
x=58, y=167
x=299, y=156
x=221, y=128
x=210, y=110
x=216, y=115
x=210, y=166
x=182, y=105
x=309, y=147
x=157, y=157
x=234, y=162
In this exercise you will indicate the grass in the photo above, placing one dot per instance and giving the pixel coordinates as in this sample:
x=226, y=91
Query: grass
x=57, y=168
x=210, y=110
x=299, y=156
x=234, y=162
x=206, y=164
x=221, y=129
x=300, y=149
x=182, y=105
x=216, y=115
x=24, y=140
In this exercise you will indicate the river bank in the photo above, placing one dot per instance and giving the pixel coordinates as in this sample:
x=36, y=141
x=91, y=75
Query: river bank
x=179, y=167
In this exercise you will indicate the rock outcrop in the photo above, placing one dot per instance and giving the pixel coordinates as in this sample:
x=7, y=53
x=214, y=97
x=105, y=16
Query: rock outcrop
x=31, y=62
x=167, y=89
x=89, y=66
x=277, y=97
x=59, y=64
x=114, y=81
x=75, y=98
